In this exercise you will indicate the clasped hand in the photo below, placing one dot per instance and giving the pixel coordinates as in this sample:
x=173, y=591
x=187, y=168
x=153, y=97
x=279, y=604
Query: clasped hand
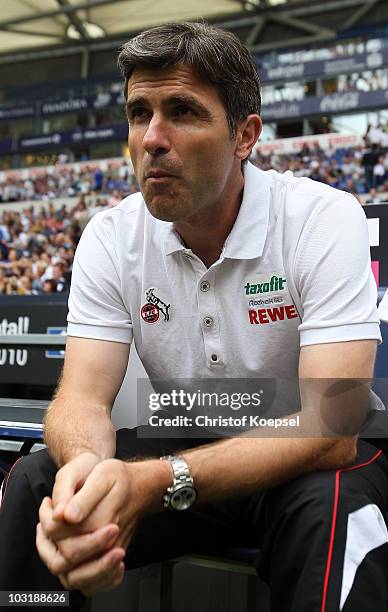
x=85, y=528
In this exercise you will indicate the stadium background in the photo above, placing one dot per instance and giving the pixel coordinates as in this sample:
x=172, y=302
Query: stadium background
x=63, y=157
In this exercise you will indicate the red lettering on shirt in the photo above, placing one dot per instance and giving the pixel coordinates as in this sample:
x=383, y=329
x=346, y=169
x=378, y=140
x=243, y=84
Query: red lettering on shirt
x=276, y=313
x=261, y=315
x=252, y=316
x=291, y=312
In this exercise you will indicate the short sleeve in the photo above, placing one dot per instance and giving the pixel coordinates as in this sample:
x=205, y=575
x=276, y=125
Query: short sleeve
x=383, y=307
x=96, y=307
x=334, y=276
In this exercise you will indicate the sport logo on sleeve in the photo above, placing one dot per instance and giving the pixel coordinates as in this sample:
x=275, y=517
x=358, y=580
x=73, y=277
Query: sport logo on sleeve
x=154, y=306
x=268, y=299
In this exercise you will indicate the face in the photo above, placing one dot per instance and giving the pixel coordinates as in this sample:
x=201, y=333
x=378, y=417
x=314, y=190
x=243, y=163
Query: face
x=57, y=272
x=179, y=140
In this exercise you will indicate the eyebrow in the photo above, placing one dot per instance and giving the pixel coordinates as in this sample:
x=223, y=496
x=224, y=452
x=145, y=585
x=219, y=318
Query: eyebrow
x=186, y=100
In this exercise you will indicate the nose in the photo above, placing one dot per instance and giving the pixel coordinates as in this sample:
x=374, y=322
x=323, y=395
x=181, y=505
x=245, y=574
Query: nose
x=156, y=140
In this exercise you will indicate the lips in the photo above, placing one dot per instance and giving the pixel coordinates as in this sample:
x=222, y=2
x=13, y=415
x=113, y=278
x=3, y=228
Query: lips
x=159, y=174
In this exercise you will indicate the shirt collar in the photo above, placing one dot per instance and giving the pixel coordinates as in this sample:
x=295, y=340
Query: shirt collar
x=249, y=232
x=173, y=242
x=247, y=237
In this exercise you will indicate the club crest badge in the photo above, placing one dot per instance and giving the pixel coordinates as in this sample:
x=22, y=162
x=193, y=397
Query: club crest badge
x=154, y=307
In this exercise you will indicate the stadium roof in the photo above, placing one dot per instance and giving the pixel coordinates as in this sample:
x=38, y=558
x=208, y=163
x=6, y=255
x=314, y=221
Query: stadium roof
x=33, y=24
x=32, y=29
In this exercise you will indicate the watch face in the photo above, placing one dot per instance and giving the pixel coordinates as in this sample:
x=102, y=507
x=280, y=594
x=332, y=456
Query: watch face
x=183, y=498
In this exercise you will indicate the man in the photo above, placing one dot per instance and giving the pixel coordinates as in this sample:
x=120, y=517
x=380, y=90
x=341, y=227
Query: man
x=59, y=273
x=217, y=270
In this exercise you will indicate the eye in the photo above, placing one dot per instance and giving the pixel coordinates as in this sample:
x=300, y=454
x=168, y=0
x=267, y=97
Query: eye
x=138, y=112
x=183, y=110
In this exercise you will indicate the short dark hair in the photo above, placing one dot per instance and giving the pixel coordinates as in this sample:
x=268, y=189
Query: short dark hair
x=215, y=55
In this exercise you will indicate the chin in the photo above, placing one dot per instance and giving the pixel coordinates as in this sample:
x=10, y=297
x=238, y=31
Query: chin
x=163, y=214
x=164, y=209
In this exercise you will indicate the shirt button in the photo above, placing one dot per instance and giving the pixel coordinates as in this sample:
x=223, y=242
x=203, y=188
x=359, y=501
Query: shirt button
x=205, y=286
x=214, y=357
x=208, y=321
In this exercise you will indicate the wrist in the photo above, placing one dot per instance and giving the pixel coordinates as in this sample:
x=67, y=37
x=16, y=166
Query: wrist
x=151, y=478
x=88, y=456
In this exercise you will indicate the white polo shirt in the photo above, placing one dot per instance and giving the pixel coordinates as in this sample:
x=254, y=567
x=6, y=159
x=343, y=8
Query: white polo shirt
x=295, y=270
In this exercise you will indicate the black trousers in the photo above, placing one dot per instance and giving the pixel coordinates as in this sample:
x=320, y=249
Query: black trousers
x=321, y=538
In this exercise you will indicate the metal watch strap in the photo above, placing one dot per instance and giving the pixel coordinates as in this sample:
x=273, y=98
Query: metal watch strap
x=181, y=474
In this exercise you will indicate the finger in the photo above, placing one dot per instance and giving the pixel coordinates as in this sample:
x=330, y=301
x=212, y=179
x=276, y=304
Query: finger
x=67, y=480
x=96, y=487
x=125, y=536
x=70, y=478
x=106, y=585
x=49, y=525
x=55, y=529
x=63, y=579
x=96, y=572
x=78, y=549
x=58, y=510
x=49, y=553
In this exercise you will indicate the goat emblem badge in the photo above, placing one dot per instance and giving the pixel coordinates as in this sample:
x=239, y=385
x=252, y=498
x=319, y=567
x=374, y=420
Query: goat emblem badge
x=151, y=310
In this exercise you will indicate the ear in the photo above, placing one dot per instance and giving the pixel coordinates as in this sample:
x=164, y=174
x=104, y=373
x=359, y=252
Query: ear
x=248, y=132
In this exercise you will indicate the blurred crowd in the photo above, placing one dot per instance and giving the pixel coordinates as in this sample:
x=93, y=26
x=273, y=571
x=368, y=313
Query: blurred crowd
x=37, y=244
x=67, y=180
x=361, y=170
x=37, y=247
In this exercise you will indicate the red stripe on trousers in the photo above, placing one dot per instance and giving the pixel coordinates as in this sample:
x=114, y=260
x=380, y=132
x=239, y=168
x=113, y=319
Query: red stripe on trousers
x=6, y=482
x=334, y=523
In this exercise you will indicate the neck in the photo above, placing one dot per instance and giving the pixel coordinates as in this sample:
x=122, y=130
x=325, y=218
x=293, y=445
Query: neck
x=205, y=233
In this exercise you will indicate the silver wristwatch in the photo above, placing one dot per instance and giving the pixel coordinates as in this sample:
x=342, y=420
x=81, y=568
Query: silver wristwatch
x=182, y=493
